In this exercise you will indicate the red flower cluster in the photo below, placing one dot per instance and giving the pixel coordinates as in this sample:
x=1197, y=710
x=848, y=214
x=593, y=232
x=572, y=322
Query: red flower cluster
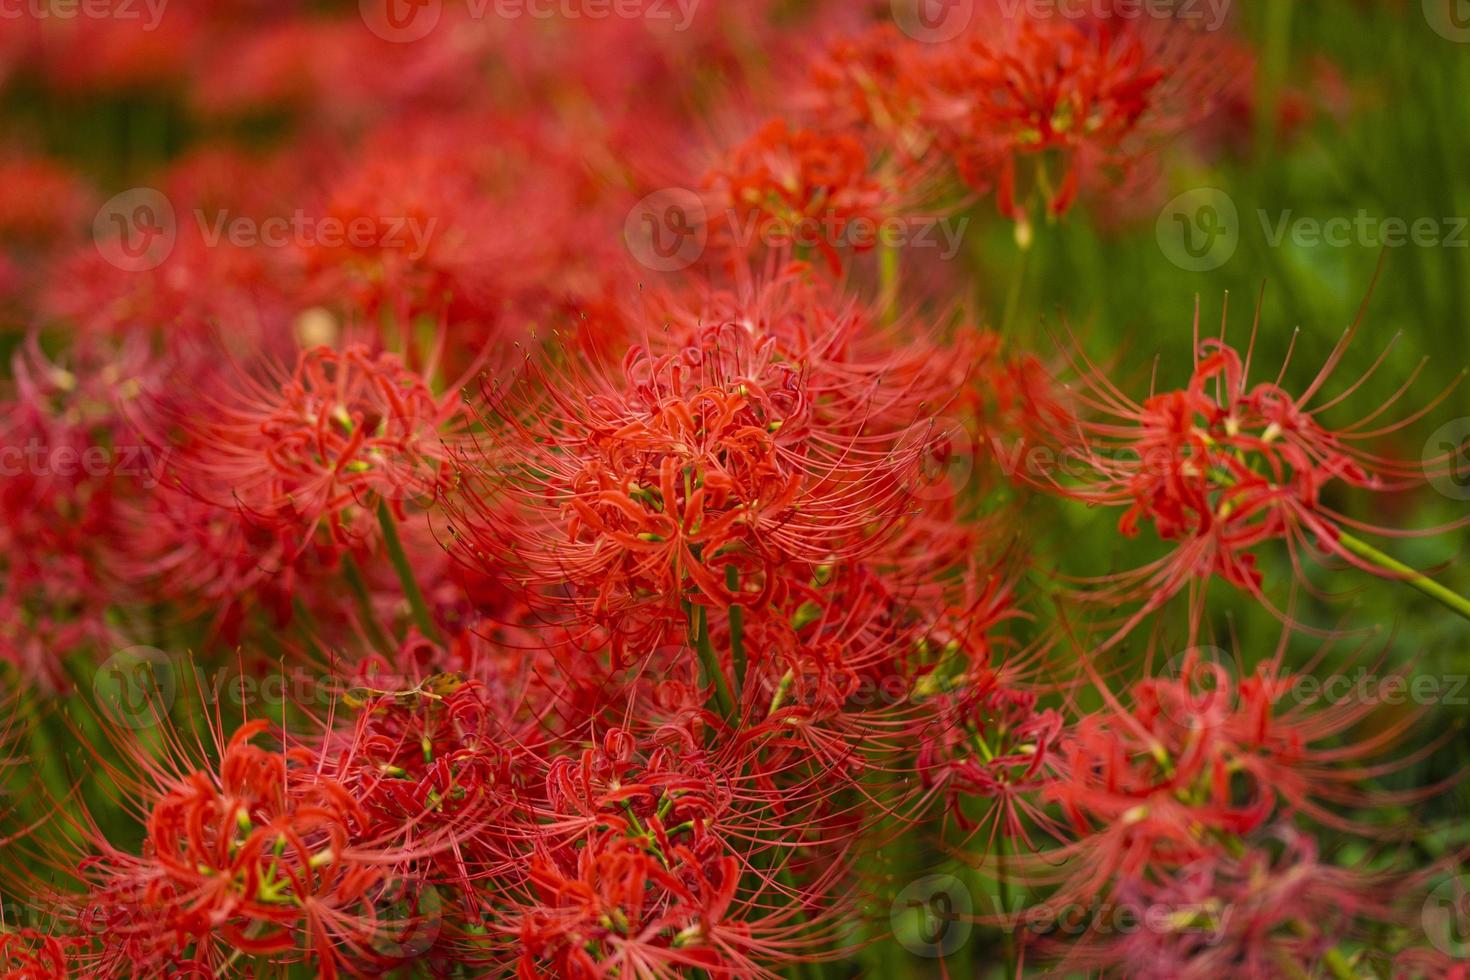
x=432, y=589
x=1223, y=466
x=1032, y=104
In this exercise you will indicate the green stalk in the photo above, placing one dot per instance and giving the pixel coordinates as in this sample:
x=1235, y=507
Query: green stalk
x=406, y=578
x=1274, y=64
x=1003, y=895
x=1449, y=599
x=737, y=629
x=1018, y=279
x=711, y=664
x=888, y=282
x=358, y=586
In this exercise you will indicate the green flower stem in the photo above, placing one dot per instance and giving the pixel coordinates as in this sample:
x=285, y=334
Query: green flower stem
x=358, y=586
x=1025, y=244
x=711, y=664
x=1275, y=62
x=888, y=273
x=410, y=584
x=737, y=628
x=1449, y=599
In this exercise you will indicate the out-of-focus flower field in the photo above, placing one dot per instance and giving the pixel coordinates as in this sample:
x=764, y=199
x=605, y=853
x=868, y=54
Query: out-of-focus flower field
x=734, y=488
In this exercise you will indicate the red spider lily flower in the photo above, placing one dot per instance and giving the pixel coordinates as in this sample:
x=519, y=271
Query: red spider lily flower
x=640, y=493
x=430, y=756
x=604, y=913
x=993, y=745
x=42, y=202
x=848, y=669
x=260, y=856
x=344, y=433
x=655, y=862
x=197, y=287
x=866, y=375
x=1222, y=467
x=182, y=545
x=1092, y=94
x=794, y=188
x=487, y=225
x=207, y=562
x=1257, y=914
x=404, y=257
x=329, y=73
x=210, y=283
x=86, y=55
x=870, y=81
x=72, y=469
x=27, y=954
x=1197, y=766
